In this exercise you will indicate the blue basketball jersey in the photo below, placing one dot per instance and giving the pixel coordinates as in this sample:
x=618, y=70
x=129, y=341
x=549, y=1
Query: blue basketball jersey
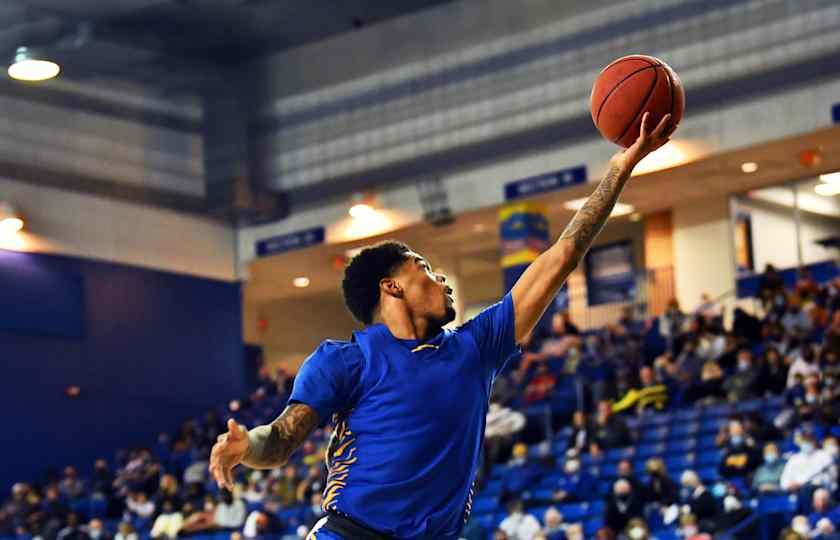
x=409, y=421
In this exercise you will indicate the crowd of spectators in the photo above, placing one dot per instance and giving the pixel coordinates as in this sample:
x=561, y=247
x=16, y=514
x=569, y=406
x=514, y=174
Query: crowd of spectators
x=588, y=389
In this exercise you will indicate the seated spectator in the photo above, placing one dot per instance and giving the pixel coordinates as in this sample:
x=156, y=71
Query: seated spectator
x=574, y=531
x=314, y=482
x=825, y=516
x=254, y=491
x=503, y=426
x=623, y=504
x=140, y=509
x=804, y=363
x=260, y=523
x=168, y=524
x=801, y=527
x=647, y=394
x=96, y=530
x=710, y=386
x=521, y=472
x=689, y=363
x=690, y=529
x=53, y=513
x=518, y=525
x=625, y=471
x=168, y=491
x=745, y=327
x=499, y=534
x=230, y=512
x=72, y=531
x=768, y=475
x=125, y=531
x=575, y=484
x=774, y=373
x=660, y=490
x=539, y=387
x=796, y=321
x=608, y=431
x=285, y=488
x=700, y=502
x=203, y=520
x=810, y=466
x=553, y=529
x=743, y=384
x=741, y=455
x=71, y=486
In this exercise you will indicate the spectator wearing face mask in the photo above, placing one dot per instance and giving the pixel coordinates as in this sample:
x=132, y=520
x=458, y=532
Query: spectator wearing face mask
x=96, y=531
x=72, y=531
x=801, y=527
x=768, y=475
x=637, y=529
x=575, y=484
x=741, y=455
x=743, y=384
x=796, y=321
x=623, y=504
x=690, y=530
x=125, y=532
x=774, y=373
x=697, y=498
x=810, y=466
x=553, y=529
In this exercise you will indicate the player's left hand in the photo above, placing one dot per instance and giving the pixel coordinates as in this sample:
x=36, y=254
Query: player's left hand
x=227, y=453
x=648, y=141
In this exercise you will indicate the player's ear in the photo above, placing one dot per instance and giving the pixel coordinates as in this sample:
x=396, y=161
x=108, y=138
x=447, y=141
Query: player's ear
x=391, y=287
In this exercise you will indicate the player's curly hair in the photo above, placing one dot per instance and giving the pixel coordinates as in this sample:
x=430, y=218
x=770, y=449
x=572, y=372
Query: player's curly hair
x=363, y=274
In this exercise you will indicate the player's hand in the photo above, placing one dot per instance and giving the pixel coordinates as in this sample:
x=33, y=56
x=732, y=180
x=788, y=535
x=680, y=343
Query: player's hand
x=648, y=141
x=227, y=453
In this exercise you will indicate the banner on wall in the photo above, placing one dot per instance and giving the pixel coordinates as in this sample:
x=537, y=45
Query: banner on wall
x=523, y=231
x=291, y=241
x=610, y=274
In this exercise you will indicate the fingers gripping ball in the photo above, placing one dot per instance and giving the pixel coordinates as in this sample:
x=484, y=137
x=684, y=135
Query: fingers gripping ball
x=629, y=87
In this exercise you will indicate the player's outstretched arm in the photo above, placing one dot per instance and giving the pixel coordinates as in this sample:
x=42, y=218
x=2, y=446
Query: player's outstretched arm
x=264, y=447
x=540, y=283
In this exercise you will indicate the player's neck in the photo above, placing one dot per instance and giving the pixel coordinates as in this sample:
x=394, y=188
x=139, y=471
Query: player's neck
x=403, y=325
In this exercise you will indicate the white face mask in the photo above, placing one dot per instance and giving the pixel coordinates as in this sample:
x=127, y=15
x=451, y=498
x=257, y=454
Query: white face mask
x=689, y=531
x=636, y=533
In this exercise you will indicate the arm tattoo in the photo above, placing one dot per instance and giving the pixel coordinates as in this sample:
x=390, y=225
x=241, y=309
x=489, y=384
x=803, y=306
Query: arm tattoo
x=271, y=445
x=590, y=219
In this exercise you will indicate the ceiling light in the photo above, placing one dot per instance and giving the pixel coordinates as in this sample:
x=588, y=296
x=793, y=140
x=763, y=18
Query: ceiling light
x=620, y=209
x=828, y=190
x=28, y=66
x=301, y=282
x=831, y=178
x=635, y=216
x=749, y=167
x=361, y=211
x=10, y=220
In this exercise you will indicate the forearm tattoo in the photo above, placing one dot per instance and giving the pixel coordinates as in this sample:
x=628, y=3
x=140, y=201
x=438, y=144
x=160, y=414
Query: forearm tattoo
x=590, y=219
x=272, y=445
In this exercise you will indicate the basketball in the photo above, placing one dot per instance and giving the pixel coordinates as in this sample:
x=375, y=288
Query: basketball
x=629, y=87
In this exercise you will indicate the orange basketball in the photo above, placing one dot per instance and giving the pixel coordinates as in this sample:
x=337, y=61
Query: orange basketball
x=629, y=87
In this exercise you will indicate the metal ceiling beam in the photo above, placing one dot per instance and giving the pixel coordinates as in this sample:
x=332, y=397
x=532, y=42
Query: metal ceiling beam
x=132, y=193
x=703, y=98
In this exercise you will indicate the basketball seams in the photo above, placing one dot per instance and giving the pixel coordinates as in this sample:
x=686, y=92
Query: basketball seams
x=641, y=108
x=615, y=87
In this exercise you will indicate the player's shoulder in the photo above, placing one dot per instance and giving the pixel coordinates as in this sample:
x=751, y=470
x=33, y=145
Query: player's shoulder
x=335, y=351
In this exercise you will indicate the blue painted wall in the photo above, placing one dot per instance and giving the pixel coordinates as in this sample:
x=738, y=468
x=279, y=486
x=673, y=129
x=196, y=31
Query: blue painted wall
x=155, y=349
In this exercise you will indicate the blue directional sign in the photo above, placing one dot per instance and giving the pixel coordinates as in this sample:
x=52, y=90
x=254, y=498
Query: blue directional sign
x=543, y=183
x=291, y=241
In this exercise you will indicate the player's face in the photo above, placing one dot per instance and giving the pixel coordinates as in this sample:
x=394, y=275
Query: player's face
x=426, y=292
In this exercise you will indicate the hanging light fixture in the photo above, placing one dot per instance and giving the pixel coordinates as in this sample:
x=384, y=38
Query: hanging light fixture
x=28, y=65
x=10, y=220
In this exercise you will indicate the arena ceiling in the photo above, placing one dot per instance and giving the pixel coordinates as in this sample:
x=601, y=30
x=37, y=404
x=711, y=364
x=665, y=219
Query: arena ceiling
x=151, y=41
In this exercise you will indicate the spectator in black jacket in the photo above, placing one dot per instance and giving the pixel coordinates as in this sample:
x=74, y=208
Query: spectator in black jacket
x=660, y=490
x=622, y=505
x=743, y=384
x=741, y=455
x=700, y=502
x=608, y=431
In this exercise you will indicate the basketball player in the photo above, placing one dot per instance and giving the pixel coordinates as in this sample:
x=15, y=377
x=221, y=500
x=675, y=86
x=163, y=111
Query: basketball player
x=408, y=399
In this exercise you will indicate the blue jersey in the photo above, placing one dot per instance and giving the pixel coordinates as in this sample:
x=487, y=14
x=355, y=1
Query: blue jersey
x=409, y=421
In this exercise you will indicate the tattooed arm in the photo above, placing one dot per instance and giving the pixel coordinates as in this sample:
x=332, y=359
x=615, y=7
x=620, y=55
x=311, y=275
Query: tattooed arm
x=538, y=285
x=264, y=447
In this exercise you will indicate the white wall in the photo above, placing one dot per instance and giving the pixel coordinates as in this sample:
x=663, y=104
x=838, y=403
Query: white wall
x=703, y=251
x=67, y=223
x=774, y=235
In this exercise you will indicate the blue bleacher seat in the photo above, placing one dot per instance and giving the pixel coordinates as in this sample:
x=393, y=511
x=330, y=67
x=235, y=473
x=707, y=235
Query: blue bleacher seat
x=686, y=415
x=751, y=405
x=645, y=451
x=772, y=504
x=708, y=474
x=485, y=505
x=681, y=446
x=683, y=430
x=717, y=410
x=617, y=454
x=712, y=425
x=591, y=526
x=596, y=508
x=709, y=457
x=706, y=441
x=573, y=512
x=493, y=487
x=654, y=434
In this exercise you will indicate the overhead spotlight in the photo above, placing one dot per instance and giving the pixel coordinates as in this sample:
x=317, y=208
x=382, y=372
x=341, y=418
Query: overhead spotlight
x=362, y=207
x=828, y=190
x=635, y=216
x=620, y=209
x=28, y=65
x=10, y=219
x=301, y=282
x=749, y=167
